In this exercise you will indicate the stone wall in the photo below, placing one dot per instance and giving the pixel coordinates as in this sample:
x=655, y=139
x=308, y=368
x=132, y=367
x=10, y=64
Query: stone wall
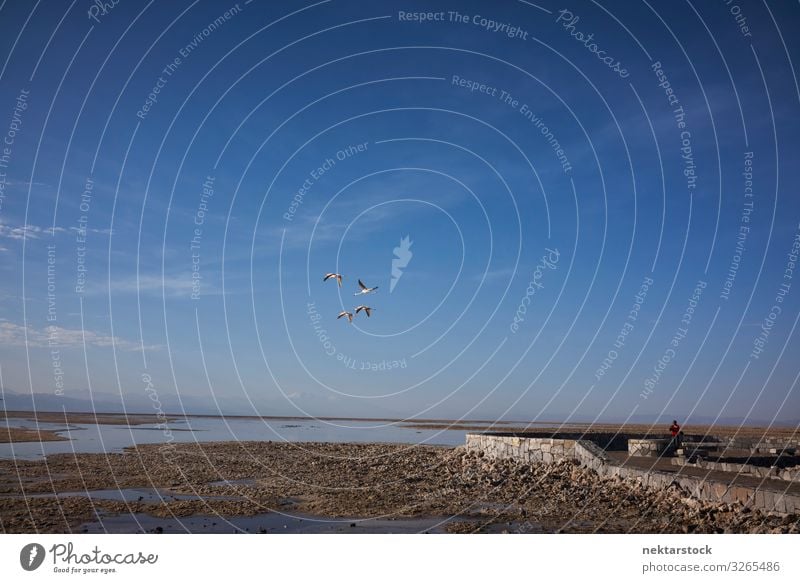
x=647, y=447
x=788, y=474
x=769, y=497
x=761, y=444
x=528, y=449
x=608, y=441
x=590, y=455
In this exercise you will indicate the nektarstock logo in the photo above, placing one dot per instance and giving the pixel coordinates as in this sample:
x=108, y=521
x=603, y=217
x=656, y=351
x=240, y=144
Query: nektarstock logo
x=402, y=255
x=31, y=556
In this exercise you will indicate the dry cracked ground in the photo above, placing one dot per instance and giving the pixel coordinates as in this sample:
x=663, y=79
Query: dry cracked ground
x=357, y=480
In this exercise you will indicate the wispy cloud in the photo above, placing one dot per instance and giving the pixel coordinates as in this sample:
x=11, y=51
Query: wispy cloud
x=20, y=232
x=172, y=286
x=24, y=184
x=27, y=231
x=12, y=334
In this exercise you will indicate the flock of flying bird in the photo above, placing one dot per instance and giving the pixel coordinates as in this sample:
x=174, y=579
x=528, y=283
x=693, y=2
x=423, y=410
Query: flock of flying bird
x=363, y=291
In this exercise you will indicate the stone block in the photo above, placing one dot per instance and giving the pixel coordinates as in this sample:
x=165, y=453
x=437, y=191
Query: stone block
x=759, y=501
x=734, y=495
x=769, y=500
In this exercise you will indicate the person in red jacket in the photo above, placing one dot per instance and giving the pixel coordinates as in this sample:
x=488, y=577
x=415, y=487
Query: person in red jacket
x=675, y=431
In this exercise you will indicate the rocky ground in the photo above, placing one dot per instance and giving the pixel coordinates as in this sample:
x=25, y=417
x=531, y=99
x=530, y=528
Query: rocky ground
x=359, y=480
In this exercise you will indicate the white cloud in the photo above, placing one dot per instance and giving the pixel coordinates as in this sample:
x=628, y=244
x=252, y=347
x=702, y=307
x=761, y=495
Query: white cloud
x=172, y=286
x=25, y=183
x=56, y=337
x=27, y=231
x=21, y=232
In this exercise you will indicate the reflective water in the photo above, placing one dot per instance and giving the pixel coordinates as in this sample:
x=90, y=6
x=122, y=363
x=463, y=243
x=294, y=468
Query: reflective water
x=90, y=438
x=132, y=495
x=270, y=523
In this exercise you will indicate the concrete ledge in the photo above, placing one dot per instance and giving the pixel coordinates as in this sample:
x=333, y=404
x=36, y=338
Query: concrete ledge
x=647, y=447
x=768, y=497
x=776, y=473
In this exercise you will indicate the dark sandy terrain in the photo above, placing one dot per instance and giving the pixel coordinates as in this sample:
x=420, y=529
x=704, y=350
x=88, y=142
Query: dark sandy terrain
x=361, y=480
x=86, y=418
x=16, y=435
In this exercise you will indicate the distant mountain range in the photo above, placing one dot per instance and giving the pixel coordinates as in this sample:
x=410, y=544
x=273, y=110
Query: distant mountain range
x=103, y=402
x=170, y=403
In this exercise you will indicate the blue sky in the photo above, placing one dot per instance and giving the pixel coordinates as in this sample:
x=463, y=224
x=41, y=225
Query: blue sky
x=559, y=157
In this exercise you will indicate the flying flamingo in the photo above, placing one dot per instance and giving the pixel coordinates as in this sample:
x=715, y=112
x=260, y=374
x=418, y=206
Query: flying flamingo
x=338, y=277
x=364, y=289
x=366, y=309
